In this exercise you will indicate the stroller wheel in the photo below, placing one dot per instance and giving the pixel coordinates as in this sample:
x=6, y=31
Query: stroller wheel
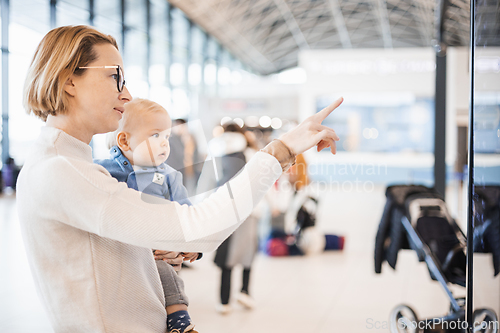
x=485, y=321
x=403, y=320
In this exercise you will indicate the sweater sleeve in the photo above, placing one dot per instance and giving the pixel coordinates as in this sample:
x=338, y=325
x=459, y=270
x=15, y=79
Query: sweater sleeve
x=179, y=192
x=85, y=196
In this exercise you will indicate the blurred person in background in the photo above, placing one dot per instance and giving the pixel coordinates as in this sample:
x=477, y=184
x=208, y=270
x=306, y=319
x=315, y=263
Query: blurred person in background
x=231, y=150
x=185, y=155
x=10, y=172
x=297, y=174
x=176, y=157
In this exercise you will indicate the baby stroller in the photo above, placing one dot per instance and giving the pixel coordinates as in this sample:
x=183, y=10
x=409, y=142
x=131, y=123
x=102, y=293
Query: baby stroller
x=415, y=217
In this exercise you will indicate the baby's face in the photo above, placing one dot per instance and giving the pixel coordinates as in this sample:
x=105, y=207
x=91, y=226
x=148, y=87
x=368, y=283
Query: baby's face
x=149, y=139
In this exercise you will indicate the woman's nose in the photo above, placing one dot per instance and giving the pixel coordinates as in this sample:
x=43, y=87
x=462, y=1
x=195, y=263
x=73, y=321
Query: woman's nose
x=125, y=95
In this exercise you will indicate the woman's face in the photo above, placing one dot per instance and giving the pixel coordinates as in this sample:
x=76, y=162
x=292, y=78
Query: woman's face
x=95, y=102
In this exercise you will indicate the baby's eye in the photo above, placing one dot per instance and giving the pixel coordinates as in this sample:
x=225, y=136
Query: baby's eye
x=156, y=135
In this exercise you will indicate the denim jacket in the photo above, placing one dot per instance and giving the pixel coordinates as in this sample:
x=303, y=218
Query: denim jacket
x=161, y=181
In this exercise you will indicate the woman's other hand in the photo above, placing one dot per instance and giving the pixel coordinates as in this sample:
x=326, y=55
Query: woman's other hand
x=170, y=257
x=190, y=256
x=310, y=132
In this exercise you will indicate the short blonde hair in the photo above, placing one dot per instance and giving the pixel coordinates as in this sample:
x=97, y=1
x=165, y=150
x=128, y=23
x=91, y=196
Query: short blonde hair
x=56, y=58
x=134, y=109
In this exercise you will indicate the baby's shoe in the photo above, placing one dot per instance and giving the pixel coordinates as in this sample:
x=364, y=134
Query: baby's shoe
x=189, y=329
x=246, y=300
x=180, y=322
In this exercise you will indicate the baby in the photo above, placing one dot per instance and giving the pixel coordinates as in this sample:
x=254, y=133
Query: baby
x=139, y=148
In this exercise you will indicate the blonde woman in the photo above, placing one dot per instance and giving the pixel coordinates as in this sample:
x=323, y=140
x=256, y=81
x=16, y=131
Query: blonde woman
x=87, y=236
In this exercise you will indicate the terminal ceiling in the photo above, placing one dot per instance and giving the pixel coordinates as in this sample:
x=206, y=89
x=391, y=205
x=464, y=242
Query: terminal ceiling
x=267, y=35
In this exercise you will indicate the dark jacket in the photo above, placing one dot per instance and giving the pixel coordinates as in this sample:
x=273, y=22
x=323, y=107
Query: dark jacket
x=239, y=248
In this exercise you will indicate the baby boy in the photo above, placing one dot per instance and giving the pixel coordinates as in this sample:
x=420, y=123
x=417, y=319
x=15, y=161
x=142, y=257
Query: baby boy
x=139, y=149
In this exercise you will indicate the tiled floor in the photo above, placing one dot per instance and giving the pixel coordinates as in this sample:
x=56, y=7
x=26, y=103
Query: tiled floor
x=331, y=292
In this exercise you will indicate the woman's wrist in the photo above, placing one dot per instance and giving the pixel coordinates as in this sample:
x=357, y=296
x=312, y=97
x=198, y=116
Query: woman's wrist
x=283, y=153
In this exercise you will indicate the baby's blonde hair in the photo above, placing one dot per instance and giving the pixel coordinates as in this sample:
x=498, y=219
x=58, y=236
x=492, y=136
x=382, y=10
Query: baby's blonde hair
x=134, y=109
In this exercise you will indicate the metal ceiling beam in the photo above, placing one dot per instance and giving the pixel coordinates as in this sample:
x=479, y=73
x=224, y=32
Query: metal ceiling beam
x=223, y=30
x=384, y=23
x=340, y=23
x=290, y=21
x=425, y=20
x=440, y=17
x=244, y=26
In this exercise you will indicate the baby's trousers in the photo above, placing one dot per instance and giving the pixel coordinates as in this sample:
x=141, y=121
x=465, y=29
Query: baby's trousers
x=173, y=286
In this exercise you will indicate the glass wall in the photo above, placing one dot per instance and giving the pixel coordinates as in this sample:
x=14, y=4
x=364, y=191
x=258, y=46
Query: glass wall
x=167, y=58
x=29, y=21
x=484, y=211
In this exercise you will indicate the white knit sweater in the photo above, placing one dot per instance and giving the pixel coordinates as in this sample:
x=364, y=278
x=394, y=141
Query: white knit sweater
x=89, y=238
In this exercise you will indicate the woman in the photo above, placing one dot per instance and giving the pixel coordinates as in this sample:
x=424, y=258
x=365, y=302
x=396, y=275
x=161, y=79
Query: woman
x=87, y=236
x=233, y=149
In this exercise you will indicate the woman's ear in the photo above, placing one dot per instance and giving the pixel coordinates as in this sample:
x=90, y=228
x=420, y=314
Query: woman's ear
x=69, y=86
x=123, y=141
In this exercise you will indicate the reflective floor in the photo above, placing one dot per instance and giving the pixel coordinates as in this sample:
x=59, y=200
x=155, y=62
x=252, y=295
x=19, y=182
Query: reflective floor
x=330, y=292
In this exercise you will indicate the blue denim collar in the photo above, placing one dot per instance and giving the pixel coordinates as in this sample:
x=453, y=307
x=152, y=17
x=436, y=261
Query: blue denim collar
x=160, y=168
x=118, y=157
x=125, y=165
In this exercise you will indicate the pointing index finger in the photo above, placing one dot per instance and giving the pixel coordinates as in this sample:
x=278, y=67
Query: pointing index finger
x=326, y=111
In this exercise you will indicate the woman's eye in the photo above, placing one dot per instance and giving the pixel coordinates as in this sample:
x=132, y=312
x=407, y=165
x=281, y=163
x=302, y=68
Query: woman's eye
x=115, y=76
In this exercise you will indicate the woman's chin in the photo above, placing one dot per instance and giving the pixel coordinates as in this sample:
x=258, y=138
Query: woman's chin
x=109, y=128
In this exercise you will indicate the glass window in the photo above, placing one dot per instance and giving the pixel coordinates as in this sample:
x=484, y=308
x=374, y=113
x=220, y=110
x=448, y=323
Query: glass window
x=197, y=44
x=383, y=123
x=135, y=15
x=69, y=14
x=484, y=211
x=212, y=48
x=135, y=62
x=108, y=18
x=159, y=44
x=108, y=9
x=136, y=46
x=160, y=62
x=82, y=5
x=29, y=23
x=190, y=68
x=32, y=14
x=180, y=26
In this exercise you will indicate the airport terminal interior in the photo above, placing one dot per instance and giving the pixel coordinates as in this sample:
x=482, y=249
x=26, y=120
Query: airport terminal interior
x=419, y=142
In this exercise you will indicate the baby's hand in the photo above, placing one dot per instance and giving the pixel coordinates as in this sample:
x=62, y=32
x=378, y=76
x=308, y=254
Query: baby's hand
x=190, y=256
